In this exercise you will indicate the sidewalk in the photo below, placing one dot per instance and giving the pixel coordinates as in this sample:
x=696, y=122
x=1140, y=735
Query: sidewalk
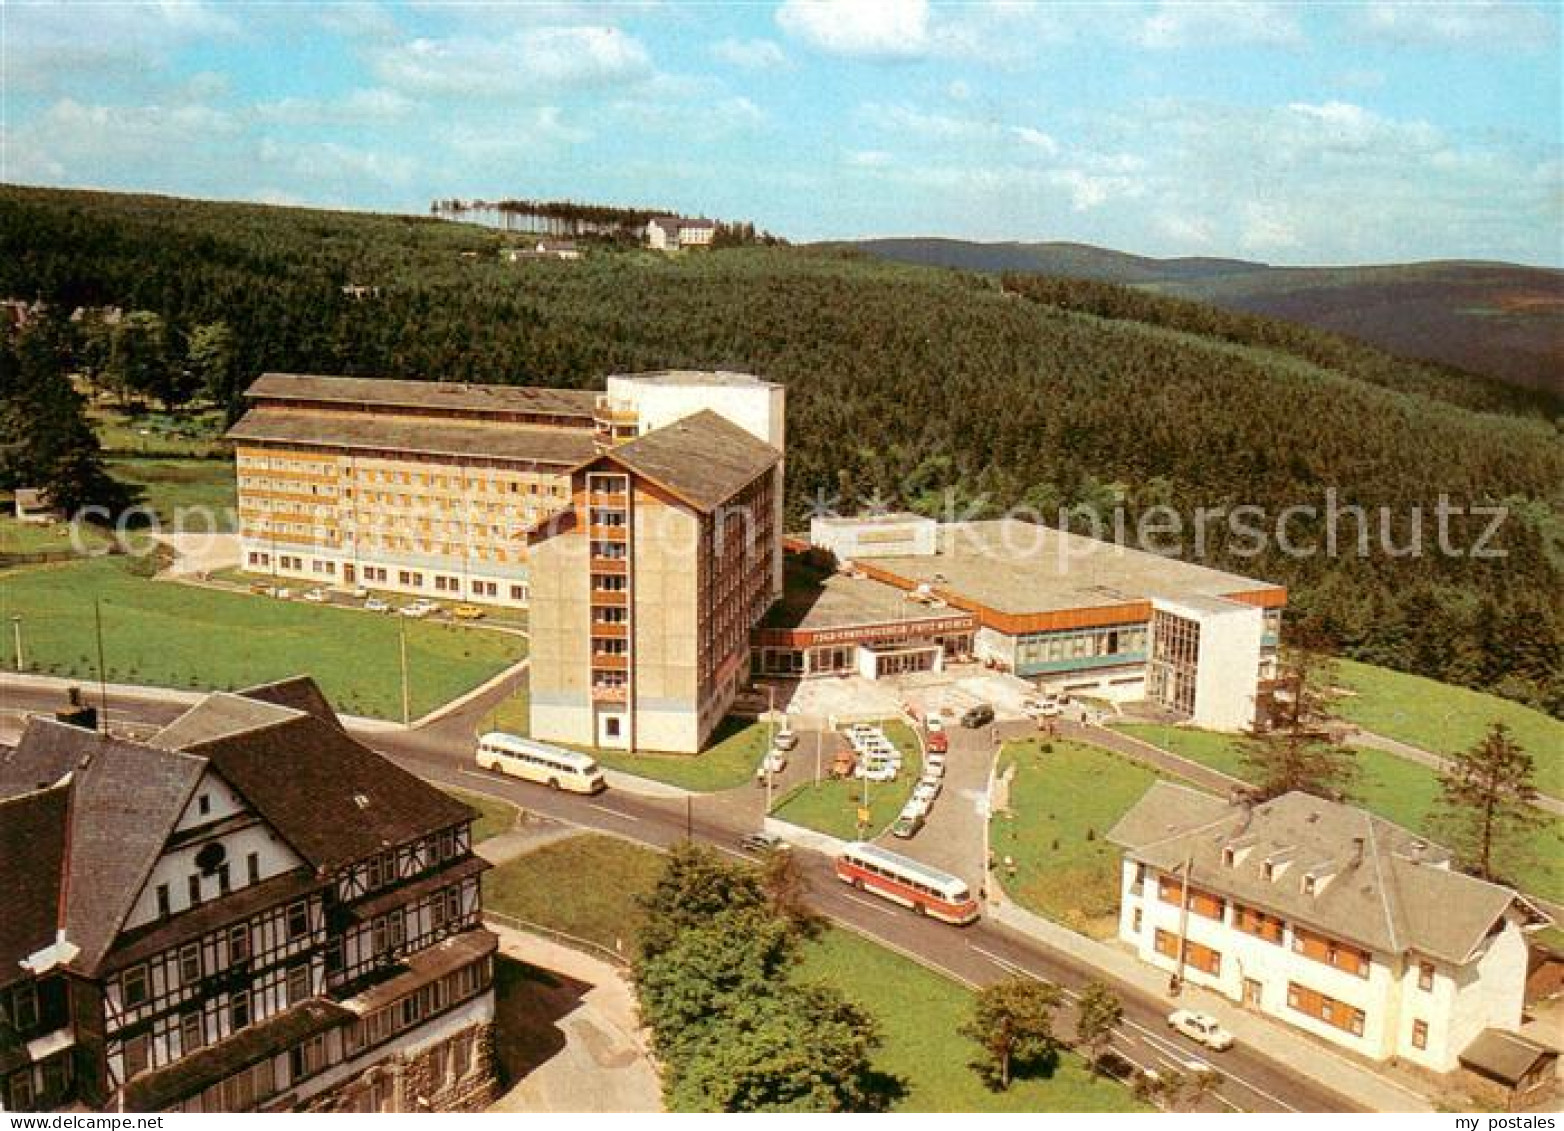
x=1287, y=1046
x=582, y=1048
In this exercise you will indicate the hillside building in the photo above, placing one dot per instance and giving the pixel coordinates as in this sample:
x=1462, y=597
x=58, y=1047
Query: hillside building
x=250, y=911
x=673, y=233
x=1070, y=613
x=1326, y=917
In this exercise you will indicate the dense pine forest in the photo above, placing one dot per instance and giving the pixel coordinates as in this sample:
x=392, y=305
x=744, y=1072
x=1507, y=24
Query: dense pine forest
x=904, y=383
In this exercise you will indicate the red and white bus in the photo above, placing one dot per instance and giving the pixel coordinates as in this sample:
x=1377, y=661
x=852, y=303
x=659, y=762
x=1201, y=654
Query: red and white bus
x=928, y=891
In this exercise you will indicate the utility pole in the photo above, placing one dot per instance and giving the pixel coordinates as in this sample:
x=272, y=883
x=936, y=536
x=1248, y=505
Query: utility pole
x=771, y=726
x=16, y=628
x=103, y=679
x=401, y=637
x=819, y=742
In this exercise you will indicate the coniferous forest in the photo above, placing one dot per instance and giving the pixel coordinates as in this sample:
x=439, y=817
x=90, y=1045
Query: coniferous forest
x=904, y=383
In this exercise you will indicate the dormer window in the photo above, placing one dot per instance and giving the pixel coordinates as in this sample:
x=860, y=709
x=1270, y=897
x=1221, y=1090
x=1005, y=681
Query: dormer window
x=1308, y=885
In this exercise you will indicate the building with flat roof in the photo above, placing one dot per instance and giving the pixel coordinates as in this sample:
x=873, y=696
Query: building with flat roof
x=1327, y=917
x=1071, y=613
x=248, y=911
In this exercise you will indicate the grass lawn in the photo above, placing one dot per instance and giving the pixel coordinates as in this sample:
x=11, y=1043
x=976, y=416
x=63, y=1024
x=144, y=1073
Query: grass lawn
x=832, y=806
x=494, y=816
x=1062, y=803
x=172, y=635
x=920, y=1013
x=736, y=749
x=37, y=537
x=1446, y=719
x=511, y=716
x=171, y=485
x=1402, y=791
x=585, y=886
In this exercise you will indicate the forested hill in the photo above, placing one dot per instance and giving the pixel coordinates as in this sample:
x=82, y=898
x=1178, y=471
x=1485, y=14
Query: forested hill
x=1498, y=319
x=903, y=382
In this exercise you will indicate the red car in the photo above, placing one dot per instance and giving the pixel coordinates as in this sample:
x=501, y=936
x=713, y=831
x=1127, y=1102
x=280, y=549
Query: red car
x=939, y=742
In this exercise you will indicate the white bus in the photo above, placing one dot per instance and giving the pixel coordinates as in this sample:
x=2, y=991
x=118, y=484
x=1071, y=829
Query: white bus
x=552, y=766
x=928, y=891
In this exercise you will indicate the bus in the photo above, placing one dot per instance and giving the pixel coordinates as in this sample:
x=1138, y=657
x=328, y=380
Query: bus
x=928, y=891
x=552, y=766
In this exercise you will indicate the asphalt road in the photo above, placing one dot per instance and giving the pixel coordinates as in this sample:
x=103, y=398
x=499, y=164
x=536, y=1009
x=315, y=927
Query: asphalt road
x=975, y=955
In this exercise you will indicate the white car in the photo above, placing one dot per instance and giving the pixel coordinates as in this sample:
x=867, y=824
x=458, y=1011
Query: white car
x=1045, y=708
x=316, y=596
x=359, y=593
x=283, y=594
x=928, y=789
x=785, y=739
x=775, y=762
x=914, y=808
x=1201, y=1027
x=376, y=605
x=418, y=610
x=934, y=764
x=933, y=723
x=872, y=770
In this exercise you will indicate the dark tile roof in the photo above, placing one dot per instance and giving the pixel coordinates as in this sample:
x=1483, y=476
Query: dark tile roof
x=1505, y=1056
x=422, y=394
x=525, y=443
x=220, y=714
x=704, y=459
x=125, y=800
x=334, y=800
x=424, y=966
x=32, y=847
x=1377, y=884
x=153, y=1091
x=300, y=693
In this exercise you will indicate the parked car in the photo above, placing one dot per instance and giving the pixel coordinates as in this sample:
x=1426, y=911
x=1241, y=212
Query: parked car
x=316, y=596
x=871, y=769
x=1201, y=1027
x=283, y=594
x=376, y=605
x=979, y=716
x=933, y=723
x=1046, y=707
x=359, y=592
x=907, y=825
x=939, y=742
x=785, y=739
x=775, y=762
x=763, y=843
x=928, y=788
x=261, y=589
x=934, y=765
x=467, y=612
x=417, y=610
x=844, y=763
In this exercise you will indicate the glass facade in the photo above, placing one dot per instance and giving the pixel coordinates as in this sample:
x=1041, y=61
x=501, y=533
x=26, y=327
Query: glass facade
x=1073, y=650
x=1175, y=659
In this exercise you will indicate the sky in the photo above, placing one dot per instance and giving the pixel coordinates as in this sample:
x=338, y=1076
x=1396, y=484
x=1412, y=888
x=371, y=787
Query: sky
x=1307, y=133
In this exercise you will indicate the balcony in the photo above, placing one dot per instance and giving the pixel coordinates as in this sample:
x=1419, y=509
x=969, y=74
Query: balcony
x=610, y=599
x=609, y=533
x=605, y=662
x=614, y=566
x=611, y=631
x=610, y=694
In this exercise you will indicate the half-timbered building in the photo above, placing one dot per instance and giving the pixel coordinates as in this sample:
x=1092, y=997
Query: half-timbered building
x=249, y=911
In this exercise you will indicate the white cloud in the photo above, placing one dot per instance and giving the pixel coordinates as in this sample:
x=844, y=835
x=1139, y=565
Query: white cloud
x=750, y=54
x=365, y=105
x=545, y=58
x=1476, y=23
x=1219, y=23
x=334, y=163
x=49, y=47
x=1036, y=139
x=868, y=29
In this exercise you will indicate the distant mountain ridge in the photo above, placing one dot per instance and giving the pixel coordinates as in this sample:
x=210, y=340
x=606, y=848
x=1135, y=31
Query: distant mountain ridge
x=1498, y=319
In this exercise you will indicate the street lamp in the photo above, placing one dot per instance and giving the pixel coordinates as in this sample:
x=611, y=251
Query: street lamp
x=16, y=628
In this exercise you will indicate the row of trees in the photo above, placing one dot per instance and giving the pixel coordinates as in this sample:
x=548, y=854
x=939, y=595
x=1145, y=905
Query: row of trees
x=921, y=388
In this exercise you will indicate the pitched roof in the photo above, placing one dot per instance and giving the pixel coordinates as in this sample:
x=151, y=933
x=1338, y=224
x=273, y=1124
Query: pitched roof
x=32, y=833
x=527, y=443
x=704, y=459
x=1504, y=1056
x=333, y=799
x=1377, y=884
x=300, y=692
x=125, y=801
x=41, y=757
x=219, y=715
x=452, y=395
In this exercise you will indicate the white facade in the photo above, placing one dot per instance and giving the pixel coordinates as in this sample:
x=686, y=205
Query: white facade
x=1227, y=675
x=659, y=399
x=1412, y=1007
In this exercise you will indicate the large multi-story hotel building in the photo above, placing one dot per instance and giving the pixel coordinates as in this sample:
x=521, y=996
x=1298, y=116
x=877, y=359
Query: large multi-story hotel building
x=249, y=911
x=1327, y=917
x=641, y=524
